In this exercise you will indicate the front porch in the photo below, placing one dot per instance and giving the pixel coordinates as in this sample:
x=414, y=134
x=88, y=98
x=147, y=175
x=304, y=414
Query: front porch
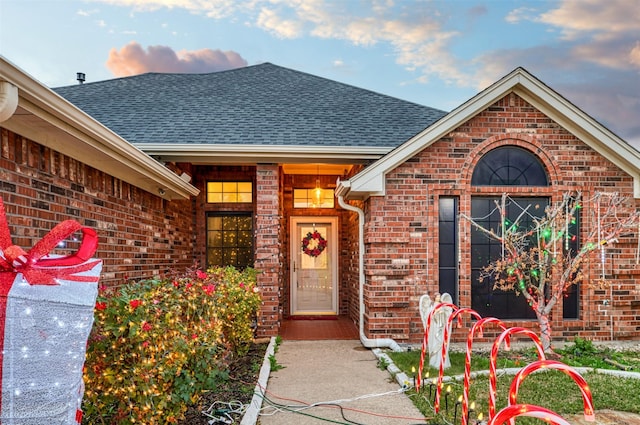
x=339, y=327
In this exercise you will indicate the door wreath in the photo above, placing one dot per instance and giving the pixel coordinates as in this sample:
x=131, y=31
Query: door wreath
x=313, y=244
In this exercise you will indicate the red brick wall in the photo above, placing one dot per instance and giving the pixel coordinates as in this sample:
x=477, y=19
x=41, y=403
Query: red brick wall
x=269, y=233
x=401, y=234
x=140, y=234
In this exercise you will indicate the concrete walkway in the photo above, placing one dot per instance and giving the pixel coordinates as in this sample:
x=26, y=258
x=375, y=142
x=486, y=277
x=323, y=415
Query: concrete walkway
x=342, y=372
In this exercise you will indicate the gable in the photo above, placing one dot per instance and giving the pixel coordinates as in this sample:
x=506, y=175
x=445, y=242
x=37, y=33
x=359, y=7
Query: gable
x=371, y=181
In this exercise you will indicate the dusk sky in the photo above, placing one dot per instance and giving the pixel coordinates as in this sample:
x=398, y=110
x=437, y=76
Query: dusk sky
x=436, y=53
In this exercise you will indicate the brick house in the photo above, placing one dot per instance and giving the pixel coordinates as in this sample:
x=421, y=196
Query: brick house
x=250, y=166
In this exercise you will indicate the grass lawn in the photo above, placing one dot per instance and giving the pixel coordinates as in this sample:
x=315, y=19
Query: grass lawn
x=551, y=389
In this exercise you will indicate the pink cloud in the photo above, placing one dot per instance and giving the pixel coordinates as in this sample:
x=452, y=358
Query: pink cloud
x=133, y=59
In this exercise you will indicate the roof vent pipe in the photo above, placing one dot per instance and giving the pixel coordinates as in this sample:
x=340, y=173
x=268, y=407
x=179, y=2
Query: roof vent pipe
x=80, y=76
x=8, y=100
x=367, y=342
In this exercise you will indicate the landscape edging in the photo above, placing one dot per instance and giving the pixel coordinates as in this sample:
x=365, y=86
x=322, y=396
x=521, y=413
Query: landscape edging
x=250, y=416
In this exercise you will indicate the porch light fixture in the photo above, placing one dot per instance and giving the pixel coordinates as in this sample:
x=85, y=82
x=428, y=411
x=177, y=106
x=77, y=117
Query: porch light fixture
x=317, y=192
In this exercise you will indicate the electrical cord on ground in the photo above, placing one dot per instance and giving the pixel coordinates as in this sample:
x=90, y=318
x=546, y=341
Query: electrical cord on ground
x=297, y=408
x=222, y=411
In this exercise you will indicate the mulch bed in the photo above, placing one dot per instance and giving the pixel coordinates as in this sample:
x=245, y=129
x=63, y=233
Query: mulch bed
x=243, y=376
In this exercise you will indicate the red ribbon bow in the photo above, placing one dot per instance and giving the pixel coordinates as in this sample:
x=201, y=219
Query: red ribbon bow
x=44, y=271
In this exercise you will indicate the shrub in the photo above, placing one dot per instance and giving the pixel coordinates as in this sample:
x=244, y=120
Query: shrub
x=157, y=344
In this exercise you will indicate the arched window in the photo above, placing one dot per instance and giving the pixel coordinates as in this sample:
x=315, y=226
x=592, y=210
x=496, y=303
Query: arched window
x=509, y=166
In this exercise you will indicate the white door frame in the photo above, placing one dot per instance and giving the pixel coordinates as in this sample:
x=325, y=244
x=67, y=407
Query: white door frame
x=332, y=248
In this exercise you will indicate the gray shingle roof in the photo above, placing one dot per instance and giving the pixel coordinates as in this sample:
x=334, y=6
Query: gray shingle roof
x=262, y=104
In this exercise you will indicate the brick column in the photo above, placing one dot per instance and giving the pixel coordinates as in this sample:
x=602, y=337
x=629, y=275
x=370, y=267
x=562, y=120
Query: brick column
x=268, y=248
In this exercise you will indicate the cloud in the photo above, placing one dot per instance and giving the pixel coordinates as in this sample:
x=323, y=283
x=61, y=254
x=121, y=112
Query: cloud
x=280, y=27
x=577, y=17
x=212, y=8
x=133, y=59
x=85, y=13
x=520, y=14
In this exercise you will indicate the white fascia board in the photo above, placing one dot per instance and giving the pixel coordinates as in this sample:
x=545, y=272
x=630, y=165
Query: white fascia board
x=246, y=153
x=49, y=119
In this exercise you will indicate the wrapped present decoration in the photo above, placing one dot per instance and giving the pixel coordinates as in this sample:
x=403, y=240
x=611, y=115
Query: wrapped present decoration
x=46, y=314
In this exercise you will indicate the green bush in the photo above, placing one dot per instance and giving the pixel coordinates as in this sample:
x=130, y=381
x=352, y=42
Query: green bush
x=157, y=344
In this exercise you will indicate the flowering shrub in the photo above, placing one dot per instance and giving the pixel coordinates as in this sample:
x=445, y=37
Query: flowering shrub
x=157, y=344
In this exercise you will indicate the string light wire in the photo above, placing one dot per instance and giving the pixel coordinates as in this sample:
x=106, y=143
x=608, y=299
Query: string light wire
x=301, y=405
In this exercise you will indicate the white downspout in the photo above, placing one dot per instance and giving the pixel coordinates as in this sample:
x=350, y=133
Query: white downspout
x=367, y=342
x=8, y=100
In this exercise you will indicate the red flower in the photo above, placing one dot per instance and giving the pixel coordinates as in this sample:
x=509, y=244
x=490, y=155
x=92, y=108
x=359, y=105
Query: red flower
x=135, y=303
x=194, y=336
x=145, y=344
x=188, y=285
x=146, y=326
x=241, y=285
x=209, y=289
x=101, y=305
x=200, y=274
x=176, y=283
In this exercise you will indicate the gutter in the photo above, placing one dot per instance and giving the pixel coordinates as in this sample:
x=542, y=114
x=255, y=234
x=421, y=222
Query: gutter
x=342, y=188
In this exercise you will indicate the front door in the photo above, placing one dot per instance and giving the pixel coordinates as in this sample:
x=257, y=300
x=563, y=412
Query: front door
x=314, y=265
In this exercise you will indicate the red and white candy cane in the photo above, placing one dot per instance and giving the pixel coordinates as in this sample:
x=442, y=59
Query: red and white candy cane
x=425, y=339
x=530, y=410
x=587, y=398
x=445, y=346
x=494, y=357
x=477, y=326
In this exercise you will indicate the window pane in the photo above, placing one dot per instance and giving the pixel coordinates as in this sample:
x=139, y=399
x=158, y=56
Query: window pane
x=214, y=257
x=214, y=197
x=229, y=197
x=214, y=238
x=244, y=197
x=215, y=187
x=230, y=187
x=244, y=187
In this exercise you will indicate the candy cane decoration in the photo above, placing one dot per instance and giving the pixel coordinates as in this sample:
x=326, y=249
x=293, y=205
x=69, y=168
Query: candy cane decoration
x=425, y=339
x=530, y=410
x=494, y=358
x=467, y=364
x=443, y=354
x=587, y=398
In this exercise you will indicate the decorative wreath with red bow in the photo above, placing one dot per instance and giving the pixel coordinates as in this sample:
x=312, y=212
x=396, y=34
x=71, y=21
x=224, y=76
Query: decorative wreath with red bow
x=313, y=244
